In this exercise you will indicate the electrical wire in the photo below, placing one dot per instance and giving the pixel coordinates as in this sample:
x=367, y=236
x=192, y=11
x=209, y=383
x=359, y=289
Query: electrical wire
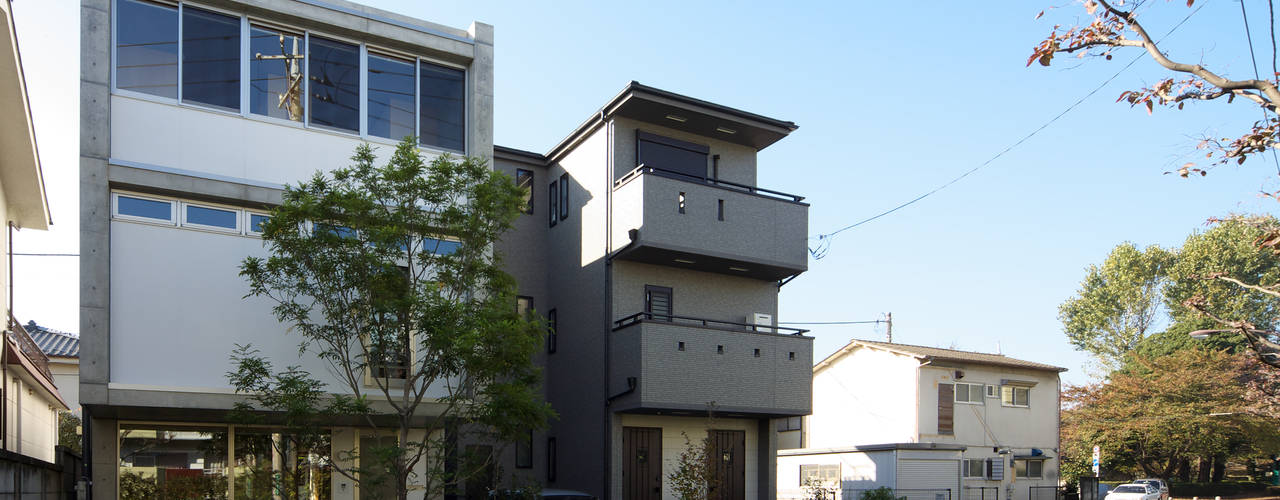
x=832, y=322
x=1254, y=59
x=824, y=239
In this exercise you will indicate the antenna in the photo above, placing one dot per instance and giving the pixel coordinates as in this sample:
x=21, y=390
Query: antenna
x=889, y=326
x=998, y=348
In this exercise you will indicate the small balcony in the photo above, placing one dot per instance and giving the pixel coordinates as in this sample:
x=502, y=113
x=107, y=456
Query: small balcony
x=678, y=365
x=669, y=218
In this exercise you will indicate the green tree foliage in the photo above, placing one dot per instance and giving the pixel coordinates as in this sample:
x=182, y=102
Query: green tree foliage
x=695, y=475
x=422, y=340
x=1226, y=249
x=1118, y=303
x=69, y=431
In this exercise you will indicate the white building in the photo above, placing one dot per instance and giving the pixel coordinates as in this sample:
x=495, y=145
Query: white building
x=927, y=422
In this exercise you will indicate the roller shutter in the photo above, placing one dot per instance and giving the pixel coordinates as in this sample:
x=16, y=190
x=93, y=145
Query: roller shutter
x=928, y=479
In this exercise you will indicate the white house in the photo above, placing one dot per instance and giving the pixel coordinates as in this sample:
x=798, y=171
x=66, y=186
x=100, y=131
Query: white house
x=932, y=423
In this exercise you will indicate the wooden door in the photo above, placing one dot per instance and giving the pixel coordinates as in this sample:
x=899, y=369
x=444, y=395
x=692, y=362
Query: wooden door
x=642, y=463
x=730, y=462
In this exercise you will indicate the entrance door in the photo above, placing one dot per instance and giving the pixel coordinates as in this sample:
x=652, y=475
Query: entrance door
x=642, y=463
x=730, y=462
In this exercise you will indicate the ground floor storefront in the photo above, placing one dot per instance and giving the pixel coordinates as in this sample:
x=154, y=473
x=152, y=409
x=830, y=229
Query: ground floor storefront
x=648, y=451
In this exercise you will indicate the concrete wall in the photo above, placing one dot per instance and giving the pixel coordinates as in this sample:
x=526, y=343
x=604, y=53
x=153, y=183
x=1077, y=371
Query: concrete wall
x=698, y=294
x=674, y=430
x=737, y=162
x=868, y=397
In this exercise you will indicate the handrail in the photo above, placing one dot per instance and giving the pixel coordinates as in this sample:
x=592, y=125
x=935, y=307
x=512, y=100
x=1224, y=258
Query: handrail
x=29, y=347
x=686, y=320
x=644, y=169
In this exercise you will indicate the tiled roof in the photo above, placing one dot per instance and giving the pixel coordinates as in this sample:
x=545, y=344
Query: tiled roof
x=940, y=354
x=53, y=342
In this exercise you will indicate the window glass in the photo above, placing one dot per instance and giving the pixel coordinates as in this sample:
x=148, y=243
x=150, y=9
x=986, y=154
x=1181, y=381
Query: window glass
x=215, y=217
x=158, y=462
x=553, y=200
x=440, y=246
x=442, y=109
x=551, y=331
x=564, y=196
x=523, y=306
x=268, y=463
x=672, y=155
x=969, y=393
x=524, y=452
x=275, y=73
x=142, y=207
x=974, y=467
x=256, y=221
x=335, y=84
x=824, y=473
x=210, y=58
x=391, y=94
x=1035, y=468
x=1015, y=396
x=147, y=48
x=340, y=231
x=524, y=181
x=657, y=302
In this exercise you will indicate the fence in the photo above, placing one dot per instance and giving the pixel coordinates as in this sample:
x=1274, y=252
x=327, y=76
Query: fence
x=25, y=478
x=981, y=493
x=903, y=493
x=1044, y=493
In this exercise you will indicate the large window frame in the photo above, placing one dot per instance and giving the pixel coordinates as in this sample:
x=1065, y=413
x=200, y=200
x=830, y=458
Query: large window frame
x=974, y=394
x=247, y=23
x=1022, y=468
x=1009, y=396
x=974, y=468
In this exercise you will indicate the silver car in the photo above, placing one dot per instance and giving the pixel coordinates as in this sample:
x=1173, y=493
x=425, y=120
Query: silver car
x=1134, y=491
x=1158, y=483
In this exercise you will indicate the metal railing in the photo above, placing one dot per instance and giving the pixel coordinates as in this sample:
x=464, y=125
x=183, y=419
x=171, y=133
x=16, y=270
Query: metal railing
x=1044, y=493
x=28, y=347
x=981, y=493
x=902, y=493
x=705, y=322
x=733, y=186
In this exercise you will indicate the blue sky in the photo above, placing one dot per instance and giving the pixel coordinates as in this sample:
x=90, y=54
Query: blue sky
x=892, y=99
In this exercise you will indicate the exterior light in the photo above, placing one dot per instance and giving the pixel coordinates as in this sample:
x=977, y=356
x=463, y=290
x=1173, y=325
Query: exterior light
x=677, y=118
x=1204, y=334
x=725, y=130
x=684, y=261
x=739, y=269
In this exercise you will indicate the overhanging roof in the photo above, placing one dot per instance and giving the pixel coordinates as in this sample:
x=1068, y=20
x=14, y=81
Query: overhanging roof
x=20, y=174
x=927, y=354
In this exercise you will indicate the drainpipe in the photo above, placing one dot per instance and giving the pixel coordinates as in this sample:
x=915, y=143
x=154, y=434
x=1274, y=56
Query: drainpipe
x=4, y=356
x=607, y=432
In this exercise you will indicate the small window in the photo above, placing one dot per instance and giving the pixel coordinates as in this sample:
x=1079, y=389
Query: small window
x=441, y=246
x=320, y=228
x=969, y=393
x=719, y=209
x=524, y=306
x=524, y=452
x=974, y=467
x=719, y=349
x=790, y=424
x=824, y=473
x=756, y=353
x=1015, y=396
x=680, y=201
x=211, y=218
x=1032, y=469
x=334, y=69
x=680, y=346
x=147, y=48
x=276, y=65
x=657, y=302
x=524, y=181
x=139, y=208
x=564, y=196
x=442, y=106
x=391, y=104
x=991, y=392
x=553, y=199
x=255, y=222
x=551, y=459
x=551, y=331
x=210, y=58
x=791, y=356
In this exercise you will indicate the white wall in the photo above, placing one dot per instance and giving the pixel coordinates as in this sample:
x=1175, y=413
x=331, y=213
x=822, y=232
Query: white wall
x=31, y=417
x=868, y=397
x=66, y=376
x=858, y=471
x=673, y=442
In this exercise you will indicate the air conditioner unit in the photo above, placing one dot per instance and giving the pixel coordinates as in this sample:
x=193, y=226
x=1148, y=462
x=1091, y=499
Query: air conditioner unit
x=761, y=321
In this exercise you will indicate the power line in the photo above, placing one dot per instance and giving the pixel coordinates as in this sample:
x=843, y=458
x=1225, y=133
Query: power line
x=824, y=239
x=1249, y=37
x=831, y=322
x=17, y=254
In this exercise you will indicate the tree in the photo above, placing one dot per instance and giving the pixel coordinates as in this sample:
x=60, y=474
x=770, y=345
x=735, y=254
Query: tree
x=1118, y=303
x=695, y=475
x=1112, y=27
x=389, y=276
x=69, y=431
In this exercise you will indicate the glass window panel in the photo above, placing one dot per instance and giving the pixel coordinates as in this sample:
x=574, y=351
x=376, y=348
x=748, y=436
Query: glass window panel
x=142, y=207
x=391, y=96
x=210, y=58
x=553, y=198
x=441, y=246
x=216, y=217
x=524, y=452
x=256, y=221
x=442, y=106
x=268, y=462
x=335, y=84
x=666, y=157
x=167, y=462
x=524, y=181
x=340, y=231
x=147, y=48
x=275, y=73
x=564, y=196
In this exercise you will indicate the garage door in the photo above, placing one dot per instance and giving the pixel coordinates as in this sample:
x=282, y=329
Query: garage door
x=928, y=479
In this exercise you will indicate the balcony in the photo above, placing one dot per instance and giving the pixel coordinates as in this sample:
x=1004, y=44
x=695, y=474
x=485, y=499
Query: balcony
x=669, y=218
x=680, y=364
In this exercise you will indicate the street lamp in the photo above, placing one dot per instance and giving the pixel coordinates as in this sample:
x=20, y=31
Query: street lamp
x=1204, y=334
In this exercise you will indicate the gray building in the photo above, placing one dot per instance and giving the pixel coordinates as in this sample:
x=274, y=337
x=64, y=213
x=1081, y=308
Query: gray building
x=647, y=244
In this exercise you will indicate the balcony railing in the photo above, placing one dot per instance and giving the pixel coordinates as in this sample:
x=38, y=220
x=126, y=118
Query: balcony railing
x=645, y=169
x=705, y=322
x=28, y=347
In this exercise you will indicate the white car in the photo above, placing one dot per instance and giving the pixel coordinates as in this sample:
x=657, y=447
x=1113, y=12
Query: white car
x=1134, y=491
x=1158, y=483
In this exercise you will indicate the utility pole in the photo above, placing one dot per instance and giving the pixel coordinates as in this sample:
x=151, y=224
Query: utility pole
x=889, y=326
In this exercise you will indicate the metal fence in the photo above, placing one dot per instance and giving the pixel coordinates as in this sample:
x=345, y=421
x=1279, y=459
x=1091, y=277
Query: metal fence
x=902, y=493
x=25, y=478
x=981, y=493
x=1044, y=493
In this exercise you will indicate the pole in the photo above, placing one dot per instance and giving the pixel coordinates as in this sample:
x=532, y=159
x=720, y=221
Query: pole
x=4, y=356
x=889, y=328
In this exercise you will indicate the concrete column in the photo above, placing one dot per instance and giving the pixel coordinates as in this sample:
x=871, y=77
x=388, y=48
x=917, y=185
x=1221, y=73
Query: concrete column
x=105, y=456
x=480, y=77
x=95, y=208
x=767, y=449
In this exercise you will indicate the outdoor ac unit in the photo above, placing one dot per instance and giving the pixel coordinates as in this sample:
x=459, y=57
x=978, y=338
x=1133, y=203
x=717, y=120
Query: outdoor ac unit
x=761, y=320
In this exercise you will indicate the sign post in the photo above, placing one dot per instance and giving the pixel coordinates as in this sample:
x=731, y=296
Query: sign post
x=1097, y=455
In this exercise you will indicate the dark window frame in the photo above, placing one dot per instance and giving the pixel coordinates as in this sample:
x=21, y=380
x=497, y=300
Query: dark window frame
x=551, y=459
x=648, y=302
x=553, y=201
x=690, y=147
x=564, y=196
x=552, y=330
x=524, y=452
x=525, y=179
x=528, y=311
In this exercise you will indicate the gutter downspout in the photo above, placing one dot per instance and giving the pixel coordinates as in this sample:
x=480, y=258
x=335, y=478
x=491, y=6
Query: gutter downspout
x=607, y=431
x=4, y=355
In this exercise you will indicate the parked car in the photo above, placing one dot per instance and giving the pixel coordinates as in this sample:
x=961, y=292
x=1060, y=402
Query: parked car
x=1133, y=491
x=1158, y=483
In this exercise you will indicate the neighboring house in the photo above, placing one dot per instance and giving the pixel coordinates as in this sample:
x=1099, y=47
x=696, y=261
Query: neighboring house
x=63, y=351
x=647, y=245
x=30, y=402
x=988, y=424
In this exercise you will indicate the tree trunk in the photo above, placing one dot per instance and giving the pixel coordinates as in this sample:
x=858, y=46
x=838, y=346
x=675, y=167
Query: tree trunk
x=1184, y=469
x=1219, y=468
x=1206, y=463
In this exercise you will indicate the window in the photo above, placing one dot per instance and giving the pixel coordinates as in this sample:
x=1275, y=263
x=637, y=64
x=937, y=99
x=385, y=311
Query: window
x=210, y=218
x=524, y=181
x=825, y=473
x=551, y=331
x=442, y=108
x=946, y=409
x=719, y=209
x=139, y=208
x=178, y=458
x=564, y=196
x=275, y=73
x=440, y=246
x=334, y=77
x=672, y=155
x=790, y=424
x=974, y=467
x=524, y=306
x=991, y=391
x=391, y=97
x=320, y=228
x=1015, y=396
x=147, y=48
x=210, y=58
x=551, y=459
x=969, y=393
x=256, y=221
x=995, y=469
x=524, y=452
x=1028, y=468
x=657, y=302
x=553, y=199
x=680, y=202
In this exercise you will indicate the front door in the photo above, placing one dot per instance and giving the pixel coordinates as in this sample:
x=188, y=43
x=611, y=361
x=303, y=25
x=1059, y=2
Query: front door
x=642, y=463
x=730, y=462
